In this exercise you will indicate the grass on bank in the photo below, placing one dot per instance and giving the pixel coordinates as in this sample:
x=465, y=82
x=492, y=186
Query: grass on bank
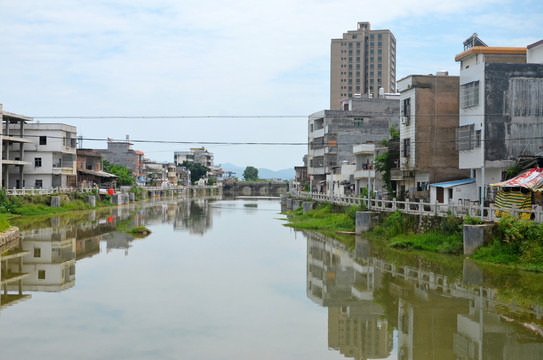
x=326, y=217
x=444, y=237
x=517, y=243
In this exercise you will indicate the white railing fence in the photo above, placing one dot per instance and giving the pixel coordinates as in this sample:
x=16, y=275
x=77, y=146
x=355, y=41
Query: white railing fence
x=423, y=208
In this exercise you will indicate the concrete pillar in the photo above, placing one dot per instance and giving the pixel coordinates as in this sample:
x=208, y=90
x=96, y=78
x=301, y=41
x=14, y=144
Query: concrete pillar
x=91, y=200
x=296, y=204
x=308, y=206
x=125, y=199
x=92, y=216
x=476, y=236
x=289, y=203
x=55, y=201
x=132, y=197
x=283, y=199
x=116, y=199
x=144, y=195
x=366, y=220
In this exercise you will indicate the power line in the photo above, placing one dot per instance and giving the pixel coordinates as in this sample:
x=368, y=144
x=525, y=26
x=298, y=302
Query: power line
x=174, y=117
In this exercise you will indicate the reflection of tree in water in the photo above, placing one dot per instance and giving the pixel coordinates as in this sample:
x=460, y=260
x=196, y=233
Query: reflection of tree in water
x=194, y=215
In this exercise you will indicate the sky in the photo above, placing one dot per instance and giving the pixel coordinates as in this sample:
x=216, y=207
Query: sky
x=223, y=72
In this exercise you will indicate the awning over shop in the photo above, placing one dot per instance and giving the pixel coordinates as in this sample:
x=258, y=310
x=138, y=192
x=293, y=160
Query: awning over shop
x=531, y=179
x=454, y=183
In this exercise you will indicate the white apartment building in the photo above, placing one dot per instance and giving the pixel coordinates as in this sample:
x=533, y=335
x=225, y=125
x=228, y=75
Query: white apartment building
x=50, y=157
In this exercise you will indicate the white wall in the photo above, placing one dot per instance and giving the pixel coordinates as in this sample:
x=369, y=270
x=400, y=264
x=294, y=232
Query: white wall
x=461, y=192
x=472, y=159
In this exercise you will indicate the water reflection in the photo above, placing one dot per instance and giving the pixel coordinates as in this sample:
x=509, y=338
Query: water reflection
x=455, y=314
x=44, y=258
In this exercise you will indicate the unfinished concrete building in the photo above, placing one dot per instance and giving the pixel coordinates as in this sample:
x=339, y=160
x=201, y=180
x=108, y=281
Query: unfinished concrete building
x=333, y=133
x=12, y=133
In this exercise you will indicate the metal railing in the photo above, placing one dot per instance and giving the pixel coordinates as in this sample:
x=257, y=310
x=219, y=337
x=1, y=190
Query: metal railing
x=425, y=208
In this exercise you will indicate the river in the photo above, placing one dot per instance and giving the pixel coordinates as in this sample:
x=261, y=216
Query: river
x=224, y=279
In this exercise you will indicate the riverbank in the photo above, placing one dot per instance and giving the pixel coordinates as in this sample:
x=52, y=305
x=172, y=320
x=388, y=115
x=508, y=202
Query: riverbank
x=515, y=243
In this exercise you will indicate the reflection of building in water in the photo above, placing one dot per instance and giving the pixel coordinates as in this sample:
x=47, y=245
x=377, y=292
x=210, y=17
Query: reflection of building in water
x=118, y=240
x=50, y=260
x=12, y=274
x=436, y=316
x=88, y=247
x=456, y=319
x=356, y=324
x=194, y=215
x=359, y=331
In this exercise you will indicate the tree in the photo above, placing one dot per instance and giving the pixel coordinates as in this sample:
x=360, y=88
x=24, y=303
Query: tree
x=197, y=171
x=124, y=176
x=385, y=162
x=250, y=173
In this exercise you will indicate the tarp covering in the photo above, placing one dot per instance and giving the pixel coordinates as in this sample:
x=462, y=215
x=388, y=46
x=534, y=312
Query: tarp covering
x=508, y=199
x=531, y=179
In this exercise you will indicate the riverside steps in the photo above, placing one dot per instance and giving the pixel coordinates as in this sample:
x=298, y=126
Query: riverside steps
x=474, y=236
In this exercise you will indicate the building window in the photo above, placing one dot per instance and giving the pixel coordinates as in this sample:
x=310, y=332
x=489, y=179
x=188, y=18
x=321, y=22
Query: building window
x=38, y=184
x=37, y=252
x=406, y=111
x=37, y=162
x=469, y=94
x=43, y=140
x=406, y=147
x=41, y=274
x=467, y=138
x=358, y=89
x=358, y=45
x=355, y=36
x=358, y=122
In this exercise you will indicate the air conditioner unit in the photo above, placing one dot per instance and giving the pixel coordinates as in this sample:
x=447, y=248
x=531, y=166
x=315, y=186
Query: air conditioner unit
x=404, y=120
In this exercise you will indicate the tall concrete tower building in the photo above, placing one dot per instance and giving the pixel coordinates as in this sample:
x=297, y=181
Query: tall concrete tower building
x=362, y=62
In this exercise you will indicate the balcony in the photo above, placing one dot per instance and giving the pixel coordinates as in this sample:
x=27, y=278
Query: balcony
x=364, y=174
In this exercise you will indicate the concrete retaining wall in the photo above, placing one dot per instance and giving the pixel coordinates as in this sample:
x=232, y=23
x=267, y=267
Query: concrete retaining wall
x=476, y=236
x=366, y=220
x=9, y=238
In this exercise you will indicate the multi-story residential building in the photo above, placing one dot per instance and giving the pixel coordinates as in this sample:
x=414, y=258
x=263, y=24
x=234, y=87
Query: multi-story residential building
x=50, y=156
x=121, y=152
x=90, y=172
x=12, y=138
x=365, y=175
x=362, y=62
x=501, y=117
x=332, y=134
x=195, y=155
x=429, y=118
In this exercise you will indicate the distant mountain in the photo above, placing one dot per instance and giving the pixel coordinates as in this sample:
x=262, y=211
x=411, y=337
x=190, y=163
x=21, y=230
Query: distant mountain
x=286, y=174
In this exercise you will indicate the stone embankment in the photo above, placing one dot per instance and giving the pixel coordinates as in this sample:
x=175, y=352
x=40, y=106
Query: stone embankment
x=8, y=238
